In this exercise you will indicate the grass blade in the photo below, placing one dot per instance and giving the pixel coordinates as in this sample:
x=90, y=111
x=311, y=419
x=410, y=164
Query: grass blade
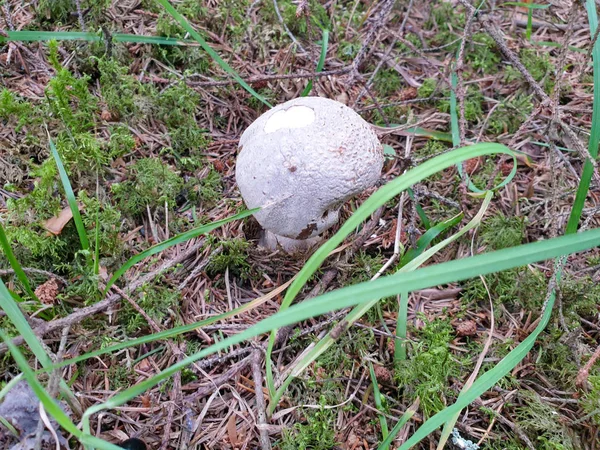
x=320, y=64
x=49, y=404
x=15, y=315
x=401, y=325
x=429, y=236
x=208, y=49
x=14, y=263
x=64, y=178
x=362, y=309
x=377, y=396
x=39, y=36
x=588, y=168
x=174, y=241
x=403, y=420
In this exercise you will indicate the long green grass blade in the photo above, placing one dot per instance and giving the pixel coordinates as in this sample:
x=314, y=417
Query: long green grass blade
x=384, y=287
x=14, y=263
x=208, y=49
x=320, y=63
x=174, y=241
x=401, y=328
x=588, y=168
x=377, y=396
x=49, y=404
x=428, y=237
x=15, y=315
x=39, y=36
x=405, y=418
x=64, y=178
x=13, y=312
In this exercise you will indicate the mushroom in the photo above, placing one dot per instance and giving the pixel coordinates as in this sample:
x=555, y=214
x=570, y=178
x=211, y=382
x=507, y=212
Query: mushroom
x=299, y=162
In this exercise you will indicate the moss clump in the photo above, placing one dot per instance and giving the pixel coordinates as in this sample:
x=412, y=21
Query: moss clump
x=158, y=301
x=543, y=424
x=118, y=88
x=387, y=82
x=499, y=231
x=473, y=102
x=427, y=373
x=151, y=183
x=539, y=66
x=363, y=268
x=482, y=55
x=69, y=98
x=515, y=289
x=316, y=432
x=427, y=88
x=510, y=115
x=176, y=107
x=234, y=255
x=121, y=141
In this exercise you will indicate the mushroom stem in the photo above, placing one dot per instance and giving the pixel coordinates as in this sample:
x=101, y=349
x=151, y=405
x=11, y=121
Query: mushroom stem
x=272, y=241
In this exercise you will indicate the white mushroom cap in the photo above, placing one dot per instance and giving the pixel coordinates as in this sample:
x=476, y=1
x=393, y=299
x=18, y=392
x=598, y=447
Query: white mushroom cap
x=301, y=160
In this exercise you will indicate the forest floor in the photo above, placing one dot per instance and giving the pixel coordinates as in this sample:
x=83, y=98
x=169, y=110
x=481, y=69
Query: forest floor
x=149, y=136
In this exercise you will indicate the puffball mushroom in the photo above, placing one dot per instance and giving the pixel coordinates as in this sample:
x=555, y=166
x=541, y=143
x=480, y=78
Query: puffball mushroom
x=299, y=162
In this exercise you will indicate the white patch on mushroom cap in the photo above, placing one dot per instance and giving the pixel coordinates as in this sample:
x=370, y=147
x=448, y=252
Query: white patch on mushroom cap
x=294, y=117
x=301, y=176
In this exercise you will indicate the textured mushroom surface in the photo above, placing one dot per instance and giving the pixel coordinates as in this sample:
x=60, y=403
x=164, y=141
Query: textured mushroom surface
x=301, y=160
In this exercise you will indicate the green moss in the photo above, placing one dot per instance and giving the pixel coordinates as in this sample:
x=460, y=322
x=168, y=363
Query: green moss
x=81, y=153
x=514, y=289
x=42, y=202
x=427, y=88
x=317, y=432
x=363, y=268
x=428, y=371
x=347, y=50
x=473, y=102
x=482, y=54
x=431, y=147
x=510, y=115
x=12, y=106
x=539, y=66
x=590, y=400
x=499, y=231
x=351, y=346
x=69, y=98
x=581, y=297
x=151, y=183
x=117, y=87
x=176, y=107
x=159, y=301
x=234, y=255
x=65, y=11
x=121, y=141
x=543, y=424
x=387, y=82
x=448, y=22
x=119, y=376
